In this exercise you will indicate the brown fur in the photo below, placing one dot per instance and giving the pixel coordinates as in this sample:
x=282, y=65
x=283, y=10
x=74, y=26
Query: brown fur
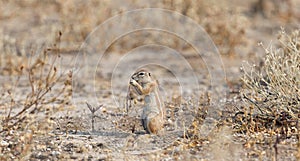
x=153, y=111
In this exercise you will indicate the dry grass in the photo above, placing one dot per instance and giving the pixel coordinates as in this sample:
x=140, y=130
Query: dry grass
x=225, y=26
x=29, y=116
x=274, y=88
x=272, y=96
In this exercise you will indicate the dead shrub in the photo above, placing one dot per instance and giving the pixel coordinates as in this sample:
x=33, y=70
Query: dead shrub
x=272, y=90
x=225, y=26
x=28, y=114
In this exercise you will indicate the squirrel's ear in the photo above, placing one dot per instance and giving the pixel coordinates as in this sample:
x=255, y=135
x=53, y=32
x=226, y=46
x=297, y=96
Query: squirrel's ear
x=149, y=74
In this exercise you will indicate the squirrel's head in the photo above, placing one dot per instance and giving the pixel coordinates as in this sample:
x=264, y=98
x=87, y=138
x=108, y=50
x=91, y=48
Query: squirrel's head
x=142, y=76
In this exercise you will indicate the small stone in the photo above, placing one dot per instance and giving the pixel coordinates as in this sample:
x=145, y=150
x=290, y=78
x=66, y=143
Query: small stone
x=55, y=153
x=4, y=143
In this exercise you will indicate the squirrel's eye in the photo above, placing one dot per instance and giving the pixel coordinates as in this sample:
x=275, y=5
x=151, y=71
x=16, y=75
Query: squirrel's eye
x=141, y=74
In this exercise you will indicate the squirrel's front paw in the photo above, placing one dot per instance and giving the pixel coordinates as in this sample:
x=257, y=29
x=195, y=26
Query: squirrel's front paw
x=133, y=82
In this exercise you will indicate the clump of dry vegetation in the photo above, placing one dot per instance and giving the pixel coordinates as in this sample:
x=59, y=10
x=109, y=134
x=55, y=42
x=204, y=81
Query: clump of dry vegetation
x=272, y=96
x=275, y=88
x=225, y=26
x=29, y=112
x=276, y=8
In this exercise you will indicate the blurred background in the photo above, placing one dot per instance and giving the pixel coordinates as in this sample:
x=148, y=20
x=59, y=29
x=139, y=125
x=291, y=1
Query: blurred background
x=235, y=26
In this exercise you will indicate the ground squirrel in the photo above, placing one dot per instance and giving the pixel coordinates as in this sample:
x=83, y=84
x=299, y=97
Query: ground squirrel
x=144, y=84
